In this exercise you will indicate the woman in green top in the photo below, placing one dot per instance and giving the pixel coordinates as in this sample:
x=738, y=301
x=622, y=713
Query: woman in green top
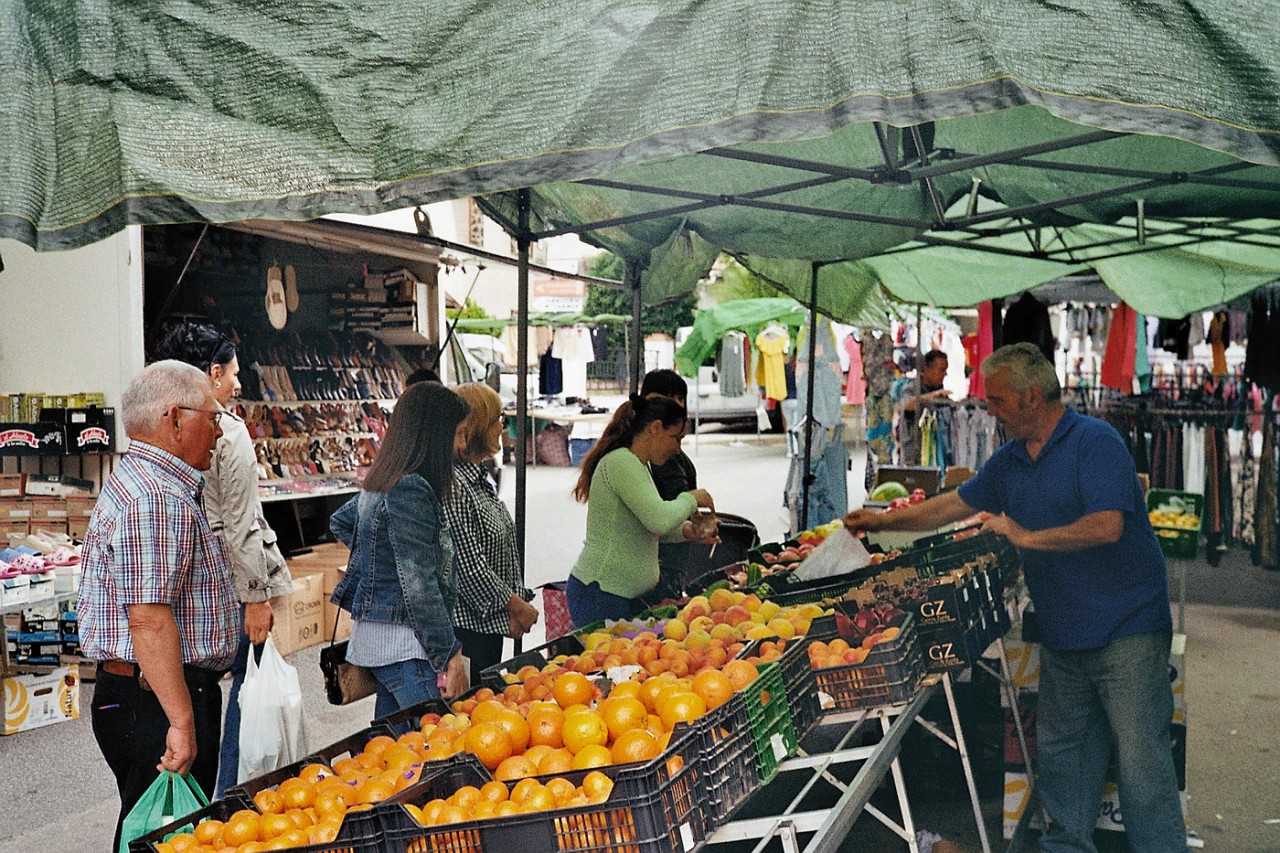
x=626, y=517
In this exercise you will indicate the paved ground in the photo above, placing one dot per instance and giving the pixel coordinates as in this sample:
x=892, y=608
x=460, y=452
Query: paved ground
x=56, y=793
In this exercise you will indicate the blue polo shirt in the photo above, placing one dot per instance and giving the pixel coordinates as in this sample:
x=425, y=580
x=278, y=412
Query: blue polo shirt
x=1084, y=599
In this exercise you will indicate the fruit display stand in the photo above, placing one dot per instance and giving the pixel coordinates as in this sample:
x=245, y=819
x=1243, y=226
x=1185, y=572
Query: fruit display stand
x=827, y=828
x=1176, y=518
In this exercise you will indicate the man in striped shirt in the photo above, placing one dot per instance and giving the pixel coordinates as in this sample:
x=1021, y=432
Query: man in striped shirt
x=157, y=603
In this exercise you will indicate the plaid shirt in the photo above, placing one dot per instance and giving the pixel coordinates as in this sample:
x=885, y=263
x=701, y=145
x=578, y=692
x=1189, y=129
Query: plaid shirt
x=485, y=553
x=148, y=542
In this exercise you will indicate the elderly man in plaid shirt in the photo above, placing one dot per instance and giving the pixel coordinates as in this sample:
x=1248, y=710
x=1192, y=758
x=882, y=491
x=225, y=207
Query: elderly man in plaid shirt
x=157, y=604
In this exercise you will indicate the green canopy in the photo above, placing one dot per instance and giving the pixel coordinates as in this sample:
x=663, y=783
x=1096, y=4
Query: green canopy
x=746, y=315
x=775, y=128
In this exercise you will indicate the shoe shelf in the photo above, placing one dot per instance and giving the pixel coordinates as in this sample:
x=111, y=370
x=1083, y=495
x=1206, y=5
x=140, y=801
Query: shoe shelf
x=309, y=487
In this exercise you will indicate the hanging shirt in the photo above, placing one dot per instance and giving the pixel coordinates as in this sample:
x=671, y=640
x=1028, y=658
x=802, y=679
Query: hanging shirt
x=1117, y=362
x=978, y=388
x=1218, y=342
x=772, y=345
x=855, y=387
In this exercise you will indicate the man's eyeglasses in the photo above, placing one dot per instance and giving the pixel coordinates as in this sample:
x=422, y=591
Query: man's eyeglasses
x=217, y=416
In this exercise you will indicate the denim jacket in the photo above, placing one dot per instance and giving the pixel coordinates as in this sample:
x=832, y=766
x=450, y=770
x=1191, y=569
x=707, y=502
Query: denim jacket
x=401, y=567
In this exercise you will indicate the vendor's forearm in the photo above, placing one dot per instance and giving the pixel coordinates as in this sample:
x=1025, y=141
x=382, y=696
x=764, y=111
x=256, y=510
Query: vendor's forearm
x=1088, y=531
x=933, y=513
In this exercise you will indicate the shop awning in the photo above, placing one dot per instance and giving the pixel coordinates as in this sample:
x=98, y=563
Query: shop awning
x=665, y=132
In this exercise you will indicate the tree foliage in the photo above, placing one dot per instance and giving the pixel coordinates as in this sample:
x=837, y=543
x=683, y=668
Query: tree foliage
x=664, y=318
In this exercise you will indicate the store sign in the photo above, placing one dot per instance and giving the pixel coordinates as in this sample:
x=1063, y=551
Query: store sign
x=18, y=438
x=558, y=295
x=93, y=435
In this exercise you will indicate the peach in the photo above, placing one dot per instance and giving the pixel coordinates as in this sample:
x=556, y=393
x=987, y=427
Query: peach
x=675, y=629
x=736, y=615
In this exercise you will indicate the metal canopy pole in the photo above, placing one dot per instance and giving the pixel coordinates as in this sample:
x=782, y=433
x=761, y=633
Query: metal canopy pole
x=522, y=374
x=808, y=477
x=632, y=279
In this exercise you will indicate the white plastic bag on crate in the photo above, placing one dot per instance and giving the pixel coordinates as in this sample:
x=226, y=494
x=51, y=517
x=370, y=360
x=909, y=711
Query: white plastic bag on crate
x=840, y=553
x=271, y=720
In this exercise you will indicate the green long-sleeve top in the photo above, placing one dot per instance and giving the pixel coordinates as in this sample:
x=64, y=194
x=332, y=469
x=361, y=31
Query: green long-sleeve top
x=626, y=518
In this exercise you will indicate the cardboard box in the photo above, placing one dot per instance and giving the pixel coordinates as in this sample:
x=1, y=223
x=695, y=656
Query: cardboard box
x=57, y=485
x=298, y=617
x=9, y=528
x=77, y=527
x=11, y=485
x=91, y=430
x=335, y=615
x=32, y=439
x=41, y=589
x=15, y=509
x=36, y=699
x=15, y=591
x=80, y=506
x=47, y=509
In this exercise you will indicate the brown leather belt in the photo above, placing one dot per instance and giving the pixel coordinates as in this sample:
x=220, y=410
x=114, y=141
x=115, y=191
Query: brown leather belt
x=193, y=675
x=123, y=668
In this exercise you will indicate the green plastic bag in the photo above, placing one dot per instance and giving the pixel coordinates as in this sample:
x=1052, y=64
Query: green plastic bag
x=171, y=796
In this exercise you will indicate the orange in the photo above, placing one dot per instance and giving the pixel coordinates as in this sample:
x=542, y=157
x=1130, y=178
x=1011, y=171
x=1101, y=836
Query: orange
x=375, y=791
x=713, y=686
x=242, y=827
x=592, y=755
x=451, y=814
x=313, y=773
x=562, y=789
x=515, y=767
x=252, y=847
x=516, y=728
x=654, y=726
x=398, y=757
x=378, y=744
x=484, y=810
x=597, y=786
x=296, y=793
x=486, y=711
x=431, y=812
x=295, y=838
x=493, y=792
x=545, y=722
x=209, y=832
x=556, y=761
x=539, y=800
x=300, y=818
x=572, y=688
x=465, y=797
x=489, y=743
x=414, y=739
x=681, y=708
x=536, y=753
x=506, y=809
x=334, y=801
x=740, y=673
x=268, y=801
x=585, y=728
x=890, y=633
x=275, y=824
x=369, y=762
x=635, y=745
x=346, y=765
x=622, y=714
x=626, y=688
x=522, y=789
x=183, y=842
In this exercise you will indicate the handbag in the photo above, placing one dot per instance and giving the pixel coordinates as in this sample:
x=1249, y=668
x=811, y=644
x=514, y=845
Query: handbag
x=344, y=682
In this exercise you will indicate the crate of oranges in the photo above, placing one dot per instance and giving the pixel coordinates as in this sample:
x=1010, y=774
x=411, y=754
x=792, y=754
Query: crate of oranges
x=645, y=807
x=769, y=718
x=888, y=668
x=727, y=747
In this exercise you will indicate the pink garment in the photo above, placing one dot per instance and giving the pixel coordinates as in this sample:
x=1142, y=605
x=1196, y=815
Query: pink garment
x=978, y=388
x=855, y=387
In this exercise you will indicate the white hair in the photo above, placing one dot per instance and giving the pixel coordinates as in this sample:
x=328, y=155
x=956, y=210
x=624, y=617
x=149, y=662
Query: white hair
x=158, y=388
x=1028, y=368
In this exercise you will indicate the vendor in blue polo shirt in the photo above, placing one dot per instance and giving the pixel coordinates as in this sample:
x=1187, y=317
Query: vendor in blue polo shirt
x=1067, y=495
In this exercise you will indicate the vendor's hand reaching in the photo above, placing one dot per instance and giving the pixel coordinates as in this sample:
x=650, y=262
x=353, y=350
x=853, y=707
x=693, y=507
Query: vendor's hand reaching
x=863, y=519
x=1006, y=527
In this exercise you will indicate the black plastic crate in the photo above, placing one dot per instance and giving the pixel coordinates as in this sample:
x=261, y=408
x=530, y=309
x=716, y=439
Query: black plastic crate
x=569, y=644
x=728, y=758
x=653, y=808
x=359, y=827
x=217, y=810
x=800, y=685
x=889, y=674
x=409, y=719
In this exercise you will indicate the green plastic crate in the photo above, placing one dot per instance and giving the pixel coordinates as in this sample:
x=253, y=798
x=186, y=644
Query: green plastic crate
x=1178, y=543
x=769, y=717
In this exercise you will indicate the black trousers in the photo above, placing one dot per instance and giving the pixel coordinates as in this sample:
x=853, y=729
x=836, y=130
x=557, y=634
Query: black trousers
x=130, y=728
x=483, y=650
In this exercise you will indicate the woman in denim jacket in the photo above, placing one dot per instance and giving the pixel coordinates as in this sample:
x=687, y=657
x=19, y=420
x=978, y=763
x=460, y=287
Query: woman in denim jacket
x=399, y=584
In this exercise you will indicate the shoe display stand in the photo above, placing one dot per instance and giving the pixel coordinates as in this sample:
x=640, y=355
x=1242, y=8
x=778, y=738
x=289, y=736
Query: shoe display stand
x=827, y=828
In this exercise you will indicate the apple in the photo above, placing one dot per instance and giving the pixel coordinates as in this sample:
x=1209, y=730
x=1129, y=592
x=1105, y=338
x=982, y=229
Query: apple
x=736, y=615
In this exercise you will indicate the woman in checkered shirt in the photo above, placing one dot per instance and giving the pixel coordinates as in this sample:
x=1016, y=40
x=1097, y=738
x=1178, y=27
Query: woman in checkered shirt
x=493, y=601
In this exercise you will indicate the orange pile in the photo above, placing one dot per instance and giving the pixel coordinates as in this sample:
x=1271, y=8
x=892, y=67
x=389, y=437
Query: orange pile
x=493, y=799
x=838, y=652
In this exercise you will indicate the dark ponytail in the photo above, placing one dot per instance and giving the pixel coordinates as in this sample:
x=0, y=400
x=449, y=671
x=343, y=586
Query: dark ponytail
x=629, y=420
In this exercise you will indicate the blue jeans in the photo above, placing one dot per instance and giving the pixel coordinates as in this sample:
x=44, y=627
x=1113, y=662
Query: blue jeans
x=589, y=603
x=1116, y=698
x=229, y=757
x=402, y=685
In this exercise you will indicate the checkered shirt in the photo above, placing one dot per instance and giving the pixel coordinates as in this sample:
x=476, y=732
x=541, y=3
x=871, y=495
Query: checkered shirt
x=485, y=553
x=148, y=542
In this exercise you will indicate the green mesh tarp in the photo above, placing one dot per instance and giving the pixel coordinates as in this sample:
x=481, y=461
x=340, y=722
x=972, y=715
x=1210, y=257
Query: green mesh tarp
x=746, y=315
x=119, y=111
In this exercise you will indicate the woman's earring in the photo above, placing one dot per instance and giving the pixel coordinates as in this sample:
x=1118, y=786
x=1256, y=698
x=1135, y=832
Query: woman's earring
x=217, y=384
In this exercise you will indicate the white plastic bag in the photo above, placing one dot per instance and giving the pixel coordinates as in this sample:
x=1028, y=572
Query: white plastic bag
x=271, y=720
x=841, y=552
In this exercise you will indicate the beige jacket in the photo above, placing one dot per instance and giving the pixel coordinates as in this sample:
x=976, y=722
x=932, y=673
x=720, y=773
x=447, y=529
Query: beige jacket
x=235, y=513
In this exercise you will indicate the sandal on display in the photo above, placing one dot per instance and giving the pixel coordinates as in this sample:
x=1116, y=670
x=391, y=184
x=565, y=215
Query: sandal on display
x=290, y=287
x=277, y=309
